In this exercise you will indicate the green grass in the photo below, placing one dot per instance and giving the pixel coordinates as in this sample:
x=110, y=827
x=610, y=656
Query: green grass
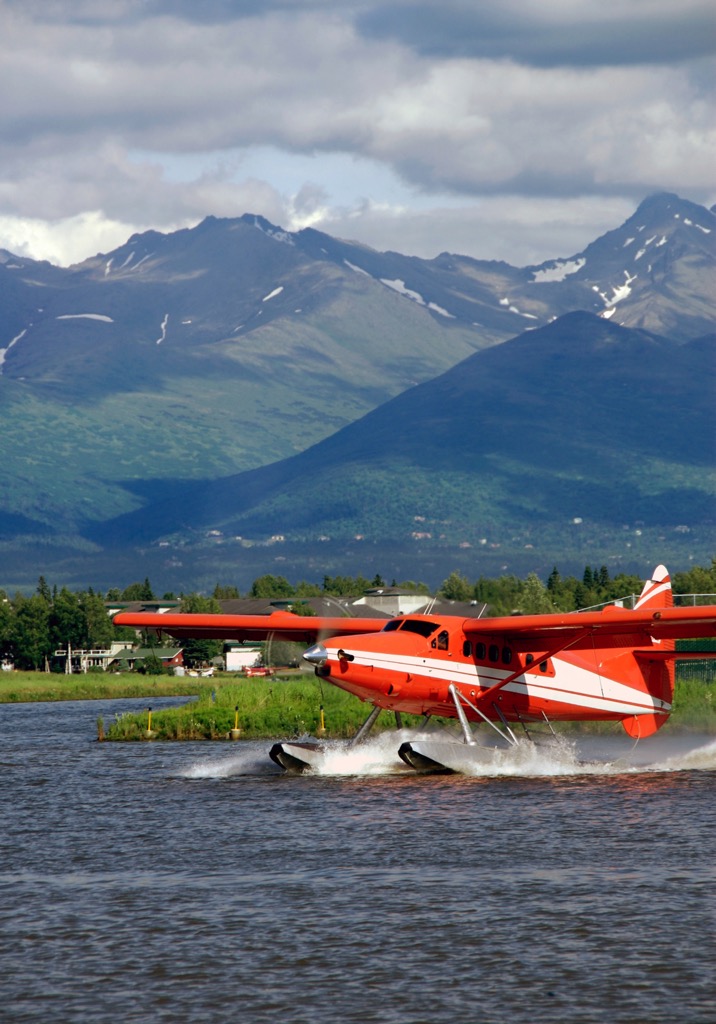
x=694, y=706
x=285, y=706
x=290, y=707
x=27, y=687
x=276, y=708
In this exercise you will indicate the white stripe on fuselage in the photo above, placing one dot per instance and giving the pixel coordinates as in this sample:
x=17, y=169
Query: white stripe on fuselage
x=571, y=684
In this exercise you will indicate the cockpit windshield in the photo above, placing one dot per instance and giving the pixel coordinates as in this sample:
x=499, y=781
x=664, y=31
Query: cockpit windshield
x=419, y=626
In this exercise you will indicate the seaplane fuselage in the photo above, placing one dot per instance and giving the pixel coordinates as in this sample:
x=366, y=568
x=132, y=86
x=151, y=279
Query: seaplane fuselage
x=613, y=664
x=411, y=666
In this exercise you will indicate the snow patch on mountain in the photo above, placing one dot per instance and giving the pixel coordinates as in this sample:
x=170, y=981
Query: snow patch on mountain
x=619, y=293
x=276, y=233
x=399, y=286
x=110, y=268
x=4, y=351
x=273, y=294
x=622, y=291
x=558, y=270
x=86, y=316
x=439, y=309
x=514, y=309
x=163, y=335
x=690, y=223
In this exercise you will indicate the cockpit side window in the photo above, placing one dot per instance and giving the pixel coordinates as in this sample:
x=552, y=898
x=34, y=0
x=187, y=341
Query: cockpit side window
x=441, y=640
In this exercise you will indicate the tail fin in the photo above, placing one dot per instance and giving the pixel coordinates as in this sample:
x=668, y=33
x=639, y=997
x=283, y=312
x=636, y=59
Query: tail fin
x=657, y=591
x=658, y=675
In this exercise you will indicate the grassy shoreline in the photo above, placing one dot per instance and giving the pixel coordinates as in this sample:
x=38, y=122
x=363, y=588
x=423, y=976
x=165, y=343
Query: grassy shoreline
x=280, y=707
x=29, y=687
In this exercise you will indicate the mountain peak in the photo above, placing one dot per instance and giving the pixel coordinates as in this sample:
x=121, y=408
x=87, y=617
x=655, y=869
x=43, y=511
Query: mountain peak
x=660, y=201
x=234, y=344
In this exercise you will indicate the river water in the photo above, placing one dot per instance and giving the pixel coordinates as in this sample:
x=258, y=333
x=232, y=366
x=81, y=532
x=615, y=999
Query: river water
x=178, y=883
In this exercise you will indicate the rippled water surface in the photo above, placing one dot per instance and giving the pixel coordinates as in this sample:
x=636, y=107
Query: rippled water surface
x=195, y=882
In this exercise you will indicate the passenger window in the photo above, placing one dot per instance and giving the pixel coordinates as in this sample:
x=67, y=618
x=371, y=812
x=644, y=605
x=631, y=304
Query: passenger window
x=529, y=659
x=494, y=652
x=480, y=651
x=543, y=666
x=466, y=649
x=506, y=655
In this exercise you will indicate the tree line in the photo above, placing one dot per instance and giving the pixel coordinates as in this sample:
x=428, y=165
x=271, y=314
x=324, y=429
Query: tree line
x=504, y=595
x=33, y=627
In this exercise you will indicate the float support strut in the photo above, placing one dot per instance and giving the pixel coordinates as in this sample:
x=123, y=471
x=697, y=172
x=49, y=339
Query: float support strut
x=466, y=730
x=366, y=727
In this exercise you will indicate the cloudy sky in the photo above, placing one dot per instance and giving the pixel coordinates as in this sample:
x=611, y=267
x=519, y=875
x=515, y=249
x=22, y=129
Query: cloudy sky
x=506, y=129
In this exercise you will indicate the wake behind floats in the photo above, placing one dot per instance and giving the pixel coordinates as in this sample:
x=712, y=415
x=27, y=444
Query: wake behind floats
x=510, y=671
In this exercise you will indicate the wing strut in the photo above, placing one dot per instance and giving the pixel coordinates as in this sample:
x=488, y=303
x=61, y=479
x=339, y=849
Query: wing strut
x=458, y=699
x=528, y=669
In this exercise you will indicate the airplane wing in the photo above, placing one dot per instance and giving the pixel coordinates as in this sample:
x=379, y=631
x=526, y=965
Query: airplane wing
x=613, y=626
x=278, y=625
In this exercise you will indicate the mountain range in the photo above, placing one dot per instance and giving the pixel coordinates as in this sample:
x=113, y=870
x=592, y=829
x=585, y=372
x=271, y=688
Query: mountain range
x=219, y=401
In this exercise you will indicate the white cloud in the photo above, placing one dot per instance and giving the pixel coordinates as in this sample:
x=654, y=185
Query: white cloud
x=65, y=241
x=518, y=230
x=464, y=129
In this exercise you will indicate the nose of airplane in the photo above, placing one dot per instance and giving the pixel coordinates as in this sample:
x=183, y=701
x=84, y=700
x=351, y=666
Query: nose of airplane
x=316, y=655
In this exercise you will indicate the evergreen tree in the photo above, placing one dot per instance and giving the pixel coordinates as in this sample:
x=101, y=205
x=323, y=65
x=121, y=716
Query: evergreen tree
x=345, y=586
x=269, y=586
x=6, y=625
x=535, y=599
x=67, y=624
x=697, y=580
x=304, y=589
x=502, y=595
x=98, y=627
x=456, y=588
x=138, y=591
x=43, y=590
x=31, y=643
